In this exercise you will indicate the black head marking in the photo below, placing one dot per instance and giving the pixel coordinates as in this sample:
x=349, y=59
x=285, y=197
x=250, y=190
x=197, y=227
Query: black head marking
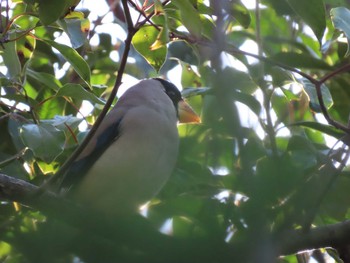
x=171, y=90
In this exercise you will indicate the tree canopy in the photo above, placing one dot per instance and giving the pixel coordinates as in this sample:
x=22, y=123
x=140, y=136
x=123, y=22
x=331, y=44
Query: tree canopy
x=263, y=178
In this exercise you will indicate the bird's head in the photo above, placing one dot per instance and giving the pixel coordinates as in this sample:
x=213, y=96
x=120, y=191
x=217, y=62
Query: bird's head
x=184, y=111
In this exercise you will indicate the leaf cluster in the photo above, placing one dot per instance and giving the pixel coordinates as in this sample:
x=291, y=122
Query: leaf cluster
x=269, y=161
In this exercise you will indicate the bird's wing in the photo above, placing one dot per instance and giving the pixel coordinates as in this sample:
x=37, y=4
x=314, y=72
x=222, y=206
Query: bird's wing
x=107, y=133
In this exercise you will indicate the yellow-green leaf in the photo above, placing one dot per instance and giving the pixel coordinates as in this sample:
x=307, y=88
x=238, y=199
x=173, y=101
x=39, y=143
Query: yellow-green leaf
x=143, y=41
x=190, y=17
x=73, y=57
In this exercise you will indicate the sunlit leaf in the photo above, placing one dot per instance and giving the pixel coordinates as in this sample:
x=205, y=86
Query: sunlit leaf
x=25, y=48
x=61, y=122
x=289, y=95
x=76, y=91
x=46, y=141
x=341, y=20
x=46, y=79
x=189, y=17
x=310, y=90
x=50, y=11
x=313, y=13
x=73, y=57
x=143, y=40
x=11, y=60
x=160, y=19
x=189, y=78
x=77, y=28
x=5, y=249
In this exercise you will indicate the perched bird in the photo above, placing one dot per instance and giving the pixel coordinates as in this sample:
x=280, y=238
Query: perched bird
x=133, y=152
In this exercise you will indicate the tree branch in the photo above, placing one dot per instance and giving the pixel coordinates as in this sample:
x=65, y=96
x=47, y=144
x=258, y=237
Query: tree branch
x=131, y=231
x=136, y=232
x=324, y=236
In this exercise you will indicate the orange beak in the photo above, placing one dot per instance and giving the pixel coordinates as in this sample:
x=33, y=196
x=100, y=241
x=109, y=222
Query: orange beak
x=187, y=114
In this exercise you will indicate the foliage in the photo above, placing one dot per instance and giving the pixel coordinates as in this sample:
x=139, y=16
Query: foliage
x=268, y=162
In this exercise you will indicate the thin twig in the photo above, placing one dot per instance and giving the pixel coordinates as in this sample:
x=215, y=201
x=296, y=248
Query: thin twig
x=13, y=158
x=268, y=125
x=335, y=72
x=148, y=18
x=324, y=110
x=331, y=173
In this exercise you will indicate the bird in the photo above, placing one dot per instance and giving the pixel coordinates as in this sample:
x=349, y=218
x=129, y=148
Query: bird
x=133, y=152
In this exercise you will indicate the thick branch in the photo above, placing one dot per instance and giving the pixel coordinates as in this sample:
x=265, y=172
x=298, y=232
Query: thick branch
x=14, y=189
x=136, y=231
x=130, y=231
x=334, y=235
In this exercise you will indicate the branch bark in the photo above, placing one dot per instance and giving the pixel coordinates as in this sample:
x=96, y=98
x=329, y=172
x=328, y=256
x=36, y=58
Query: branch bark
x=334, y=235
x=138, y=233
x=132, y=231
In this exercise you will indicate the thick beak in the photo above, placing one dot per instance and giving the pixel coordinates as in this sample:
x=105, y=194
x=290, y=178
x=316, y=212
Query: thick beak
x=187, y=114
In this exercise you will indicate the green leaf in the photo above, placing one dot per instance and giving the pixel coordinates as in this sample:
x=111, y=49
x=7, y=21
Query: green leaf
x=310, y=90
x=276, y=177
x=341, y=20
x=17, y=52
x=281, y=8
x=190, y=17
x=77, y=28
x=142, y=42
x=73, y=57
x=160, y=18
x=298, y=60
x=248, y=100
x=162, y=39
x=238, y=80
x=76, y=91
x=25, y=47
x=240, y=13
x=189, y=92
x=324, y=128
x=50, y=11
x=11, y=61
x=280, y=77
x=182, y=226
x=208, y=27
x=289, y=94
x=313, y=13
x=189, y=78
x=302, y=159
x=300, y=143
x=5, y=249
x=183, y=51
x=47, y=106
x=44, y=140
x=46, y=79
x=61, y=122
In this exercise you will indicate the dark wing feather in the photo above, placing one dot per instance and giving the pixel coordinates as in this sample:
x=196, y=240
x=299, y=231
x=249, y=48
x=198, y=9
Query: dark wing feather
x=79, y=168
